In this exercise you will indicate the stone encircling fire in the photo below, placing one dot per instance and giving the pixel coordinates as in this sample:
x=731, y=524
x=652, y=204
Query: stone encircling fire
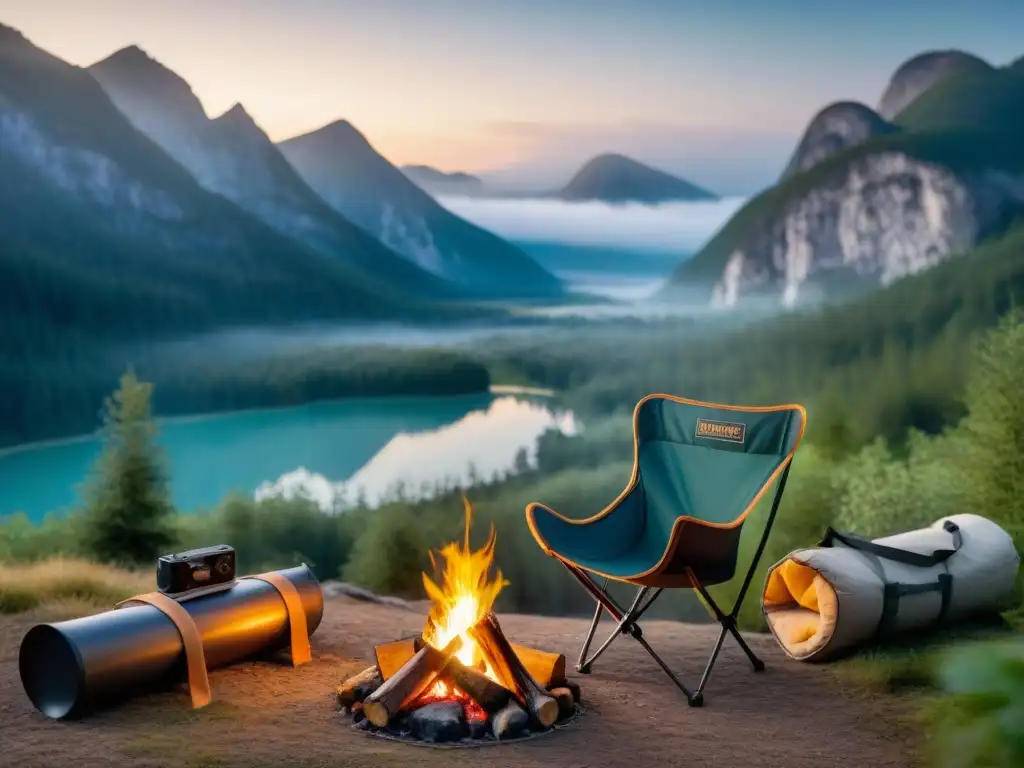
x=461, y=679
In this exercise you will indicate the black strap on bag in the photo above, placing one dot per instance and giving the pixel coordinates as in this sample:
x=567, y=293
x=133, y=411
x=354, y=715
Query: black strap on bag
x=853, y=541
x=893, y=590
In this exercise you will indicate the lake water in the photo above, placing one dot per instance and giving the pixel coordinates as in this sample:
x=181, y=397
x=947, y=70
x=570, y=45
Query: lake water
x=328, y=451
x=331, y=451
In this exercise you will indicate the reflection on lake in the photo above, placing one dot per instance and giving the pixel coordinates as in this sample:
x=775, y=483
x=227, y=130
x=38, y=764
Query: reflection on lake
x=481, y=443
x=316, y=449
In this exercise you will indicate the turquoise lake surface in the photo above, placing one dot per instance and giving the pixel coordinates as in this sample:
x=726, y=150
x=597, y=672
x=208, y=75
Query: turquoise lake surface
x=329, y=451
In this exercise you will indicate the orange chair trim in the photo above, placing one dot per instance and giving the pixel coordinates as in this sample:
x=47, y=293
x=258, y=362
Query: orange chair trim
x=681, y=521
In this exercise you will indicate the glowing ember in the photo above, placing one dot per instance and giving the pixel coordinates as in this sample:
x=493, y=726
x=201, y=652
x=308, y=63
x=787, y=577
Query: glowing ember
x=465, y=596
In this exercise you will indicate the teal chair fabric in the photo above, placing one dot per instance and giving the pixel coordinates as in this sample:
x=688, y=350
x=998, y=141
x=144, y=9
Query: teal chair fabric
x=699, y=469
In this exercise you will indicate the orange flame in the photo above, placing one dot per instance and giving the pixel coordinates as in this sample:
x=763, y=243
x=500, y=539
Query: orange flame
x=465, y=596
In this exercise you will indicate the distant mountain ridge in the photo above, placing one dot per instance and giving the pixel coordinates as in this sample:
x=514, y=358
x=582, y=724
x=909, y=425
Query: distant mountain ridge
x=230, y=155
x=614, y=178
x=441, y=183
x=346, y=171
x=878, y=199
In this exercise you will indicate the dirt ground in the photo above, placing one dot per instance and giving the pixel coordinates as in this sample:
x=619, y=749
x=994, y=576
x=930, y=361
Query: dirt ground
x=266, y=714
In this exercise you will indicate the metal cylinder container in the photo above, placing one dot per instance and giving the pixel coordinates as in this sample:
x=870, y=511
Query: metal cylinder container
x=71, y=668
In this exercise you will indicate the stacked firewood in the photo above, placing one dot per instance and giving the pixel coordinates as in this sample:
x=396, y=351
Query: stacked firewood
x=396, y=694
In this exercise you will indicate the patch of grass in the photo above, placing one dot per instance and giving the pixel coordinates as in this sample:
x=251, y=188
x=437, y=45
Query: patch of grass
x=911, y=664
x=85, y=584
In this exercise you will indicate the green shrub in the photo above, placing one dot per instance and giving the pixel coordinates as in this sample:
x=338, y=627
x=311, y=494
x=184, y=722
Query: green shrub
x=21, y=541
x=983, y=723
x=993, y=460
x=274, y=533
x=390, y=554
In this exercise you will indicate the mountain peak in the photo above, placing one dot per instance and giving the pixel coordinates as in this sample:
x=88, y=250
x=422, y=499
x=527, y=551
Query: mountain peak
x=606, y=158
x=440, y=182
x=615, y=178
x=839, y=126
x=138, y=83
x=131, y=53
x=132, y=67
x=237, y=114
x=919, y=73
x=133, y=59
x=343, y=130
x=339, y=136
x=10, y=34
x=239, y=124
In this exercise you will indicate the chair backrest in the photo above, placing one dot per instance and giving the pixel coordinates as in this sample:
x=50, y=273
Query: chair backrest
x=709, y=462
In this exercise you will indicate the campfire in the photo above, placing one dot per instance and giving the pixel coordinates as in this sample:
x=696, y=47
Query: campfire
x=461, y=679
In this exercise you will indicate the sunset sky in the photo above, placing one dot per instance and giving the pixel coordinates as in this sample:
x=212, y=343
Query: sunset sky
x=706, y=87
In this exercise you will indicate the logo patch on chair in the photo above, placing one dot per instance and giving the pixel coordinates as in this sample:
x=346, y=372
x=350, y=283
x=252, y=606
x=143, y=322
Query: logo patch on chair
x=730, y=431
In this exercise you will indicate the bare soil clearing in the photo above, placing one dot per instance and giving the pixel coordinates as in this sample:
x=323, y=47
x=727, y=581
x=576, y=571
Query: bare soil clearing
x=266, y=714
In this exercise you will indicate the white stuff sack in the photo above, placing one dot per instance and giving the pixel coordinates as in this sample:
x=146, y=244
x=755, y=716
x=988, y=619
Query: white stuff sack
x=849, y=590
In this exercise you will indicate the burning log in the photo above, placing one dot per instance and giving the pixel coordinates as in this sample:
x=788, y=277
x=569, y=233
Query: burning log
x=548, y=669
x=489, y=695
x=357, y=688
x=511, y=672
x=408, y=683
x=391, y=657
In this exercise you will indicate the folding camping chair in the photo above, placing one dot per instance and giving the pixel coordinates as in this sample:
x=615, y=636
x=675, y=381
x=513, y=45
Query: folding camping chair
x=698, y=471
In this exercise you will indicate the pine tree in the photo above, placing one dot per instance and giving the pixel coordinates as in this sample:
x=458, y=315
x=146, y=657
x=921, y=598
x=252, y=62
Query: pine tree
x=128, y=507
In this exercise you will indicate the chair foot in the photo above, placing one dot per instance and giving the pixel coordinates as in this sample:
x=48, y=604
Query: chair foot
x=584, y=669
x=758, y=665
x=696, y=700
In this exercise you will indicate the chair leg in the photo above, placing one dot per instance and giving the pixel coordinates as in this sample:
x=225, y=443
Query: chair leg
x=582, y=668
x=626, y=624
x=728, y=621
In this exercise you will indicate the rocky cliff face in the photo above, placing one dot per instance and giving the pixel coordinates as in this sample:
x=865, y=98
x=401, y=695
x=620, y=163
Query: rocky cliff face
x=837, y=127
x=883, y=216
x=917, y=75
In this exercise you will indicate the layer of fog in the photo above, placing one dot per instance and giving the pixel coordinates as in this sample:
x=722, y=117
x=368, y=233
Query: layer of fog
x=242, y=343
x=676, y=228
x=673, y=227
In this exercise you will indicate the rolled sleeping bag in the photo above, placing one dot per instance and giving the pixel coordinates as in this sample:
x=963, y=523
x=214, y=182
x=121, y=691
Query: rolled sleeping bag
x=849, y=590
x=71, y=668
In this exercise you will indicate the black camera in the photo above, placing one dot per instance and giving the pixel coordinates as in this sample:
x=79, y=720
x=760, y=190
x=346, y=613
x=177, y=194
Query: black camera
x=198, y=569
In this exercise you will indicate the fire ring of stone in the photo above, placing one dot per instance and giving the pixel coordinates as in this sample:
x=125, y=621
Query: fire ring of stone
x=443, y=725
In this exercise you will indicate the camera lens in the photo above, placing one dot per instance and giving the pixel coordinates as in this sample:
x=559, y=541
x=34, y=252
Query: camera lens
x=223, y=566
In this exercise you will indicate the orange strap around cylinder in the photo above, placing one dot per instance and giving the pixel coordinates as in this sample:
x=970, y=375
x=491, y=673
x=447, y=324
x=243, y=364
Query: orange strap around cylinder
x=195, y=659
x=300, y=650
